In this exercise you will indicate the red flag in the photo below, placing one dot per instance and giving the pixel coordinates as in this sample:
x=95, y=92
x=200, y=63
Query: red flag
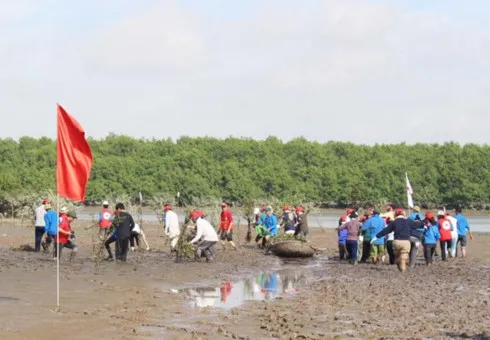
x=74, y=158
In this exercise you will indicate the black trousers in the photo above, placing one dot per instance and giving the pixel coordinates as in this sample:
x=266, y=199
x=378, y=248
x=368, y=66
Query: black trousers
x=122, y=246
x=38, y=238
x=134, y=237
x=107, y=245
x=445, y=247
x=366, y=248
x=391, y=252
x=429, y=250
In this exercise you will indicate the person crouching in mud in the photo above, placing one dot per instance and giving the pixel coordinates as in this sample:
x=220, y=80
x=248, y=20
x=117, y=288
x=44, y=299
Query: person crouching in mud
x=206, y=237
x=63, y=239
x=271, y=226
x=401, y=227
x=134, y=239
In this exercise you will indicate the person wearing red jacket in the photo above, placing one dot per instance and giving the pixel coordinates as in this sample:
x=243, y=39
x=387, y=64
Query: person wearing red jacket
x=105, y=220
x=445, y=228
x=63, y=239
x=226, y=226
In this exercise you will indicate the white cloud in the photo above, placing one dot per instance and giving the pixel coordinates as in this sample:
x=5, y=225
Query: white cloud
x=344, y=70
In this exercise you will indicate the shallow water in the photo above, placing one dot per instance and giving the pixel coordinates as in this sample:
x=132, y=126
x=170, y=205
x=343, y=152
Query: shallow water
x=327, y=220
x=260, y=287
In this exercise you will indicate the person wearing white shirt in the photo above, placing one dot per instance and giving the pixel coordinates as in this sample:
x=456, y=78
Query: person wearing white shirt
x=454, y=234
x=172, y=228
x=206, y=237
x=40, y=224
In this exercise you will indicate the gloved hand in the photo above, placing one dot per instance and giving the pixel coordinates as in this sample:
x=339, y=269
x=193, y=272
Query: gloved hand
x=373, y=240
x=132, y=248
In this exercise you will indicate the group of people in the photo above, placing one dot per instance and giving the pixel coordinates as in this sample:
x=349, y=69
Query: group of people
x=373, y=235
x=293, y=221
x=118, y=226
x=53, y=228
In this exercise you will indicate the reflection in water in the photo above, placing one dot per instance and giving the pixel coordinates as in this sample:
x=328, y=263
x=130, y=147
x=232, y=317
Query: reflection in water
x=265, y=286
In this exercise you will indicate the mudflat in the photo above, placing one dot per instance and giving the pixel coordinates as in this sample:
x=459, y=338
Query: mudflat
x=242, y=294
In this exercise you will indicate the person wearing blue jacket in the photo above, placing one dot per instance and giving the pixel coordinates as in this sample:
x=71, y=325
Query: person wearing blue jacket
x=51, y=226
x=416, y=215
x=270, y=224
x=373, y=226
x=431, y=237
x=463, y=229
x=342, y=234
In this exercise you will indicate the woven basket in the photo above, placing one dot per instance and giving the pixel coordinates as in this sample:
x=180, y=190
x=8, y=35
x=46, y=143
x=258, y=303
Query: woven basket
x=292, y=248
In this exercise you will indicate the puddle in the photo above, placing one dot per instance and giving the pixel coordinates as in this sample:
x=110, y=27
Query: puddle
x=262, y=287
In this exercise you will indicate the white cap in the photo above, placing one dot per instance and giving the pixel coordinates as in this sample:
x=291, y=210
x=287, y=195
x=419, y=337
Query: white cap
x=105, y=203
x=64, y=210
x=440, y=213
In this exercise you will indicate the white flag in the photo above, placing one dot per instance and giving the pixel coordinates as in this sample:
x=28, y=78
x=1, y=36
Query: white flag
x=409, y=192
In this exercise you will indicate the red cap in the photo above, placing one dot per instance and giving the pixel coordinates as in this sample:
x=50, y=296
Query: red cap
x=263, y=207
x=201, y=214
x=300, y=209
x=194, y=214
x=343, y=218
x=399, y=212
x=167, y=207
x=429, y=215
x=46, y=200
x=349, y=211
x=363, y=218
x=286, y=207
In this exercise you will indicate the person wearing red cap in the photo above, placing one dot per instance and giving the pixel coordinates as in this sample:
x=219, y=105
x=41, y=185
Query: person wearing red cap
x=172, y=229
x=301, y=223
x=342, y=238
x=445, y=229
x=288, y=221
x=40, y=224
x=431, y=237
x=226, y=226
x=353, y=227
x=205, y=238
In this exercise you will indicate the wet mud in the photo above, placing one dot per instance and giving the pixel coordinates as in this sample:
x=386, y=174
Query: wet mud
x=242, y=294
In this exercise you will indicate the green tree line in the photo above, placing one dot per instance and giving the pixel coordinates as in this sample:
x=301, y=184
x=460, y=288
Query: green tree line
x=333, y=174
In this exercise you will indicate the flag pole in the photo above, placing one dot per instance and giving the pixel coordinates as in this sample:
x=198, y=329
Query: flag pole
x=57, y=252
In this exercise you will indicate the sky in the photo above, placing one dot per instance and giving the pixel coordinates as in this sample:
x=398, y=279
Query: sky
x=363, y=71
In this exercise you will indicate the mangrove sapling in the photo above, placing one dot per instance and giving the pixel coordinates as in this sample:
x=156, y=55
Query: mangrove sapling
x=184, y=250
